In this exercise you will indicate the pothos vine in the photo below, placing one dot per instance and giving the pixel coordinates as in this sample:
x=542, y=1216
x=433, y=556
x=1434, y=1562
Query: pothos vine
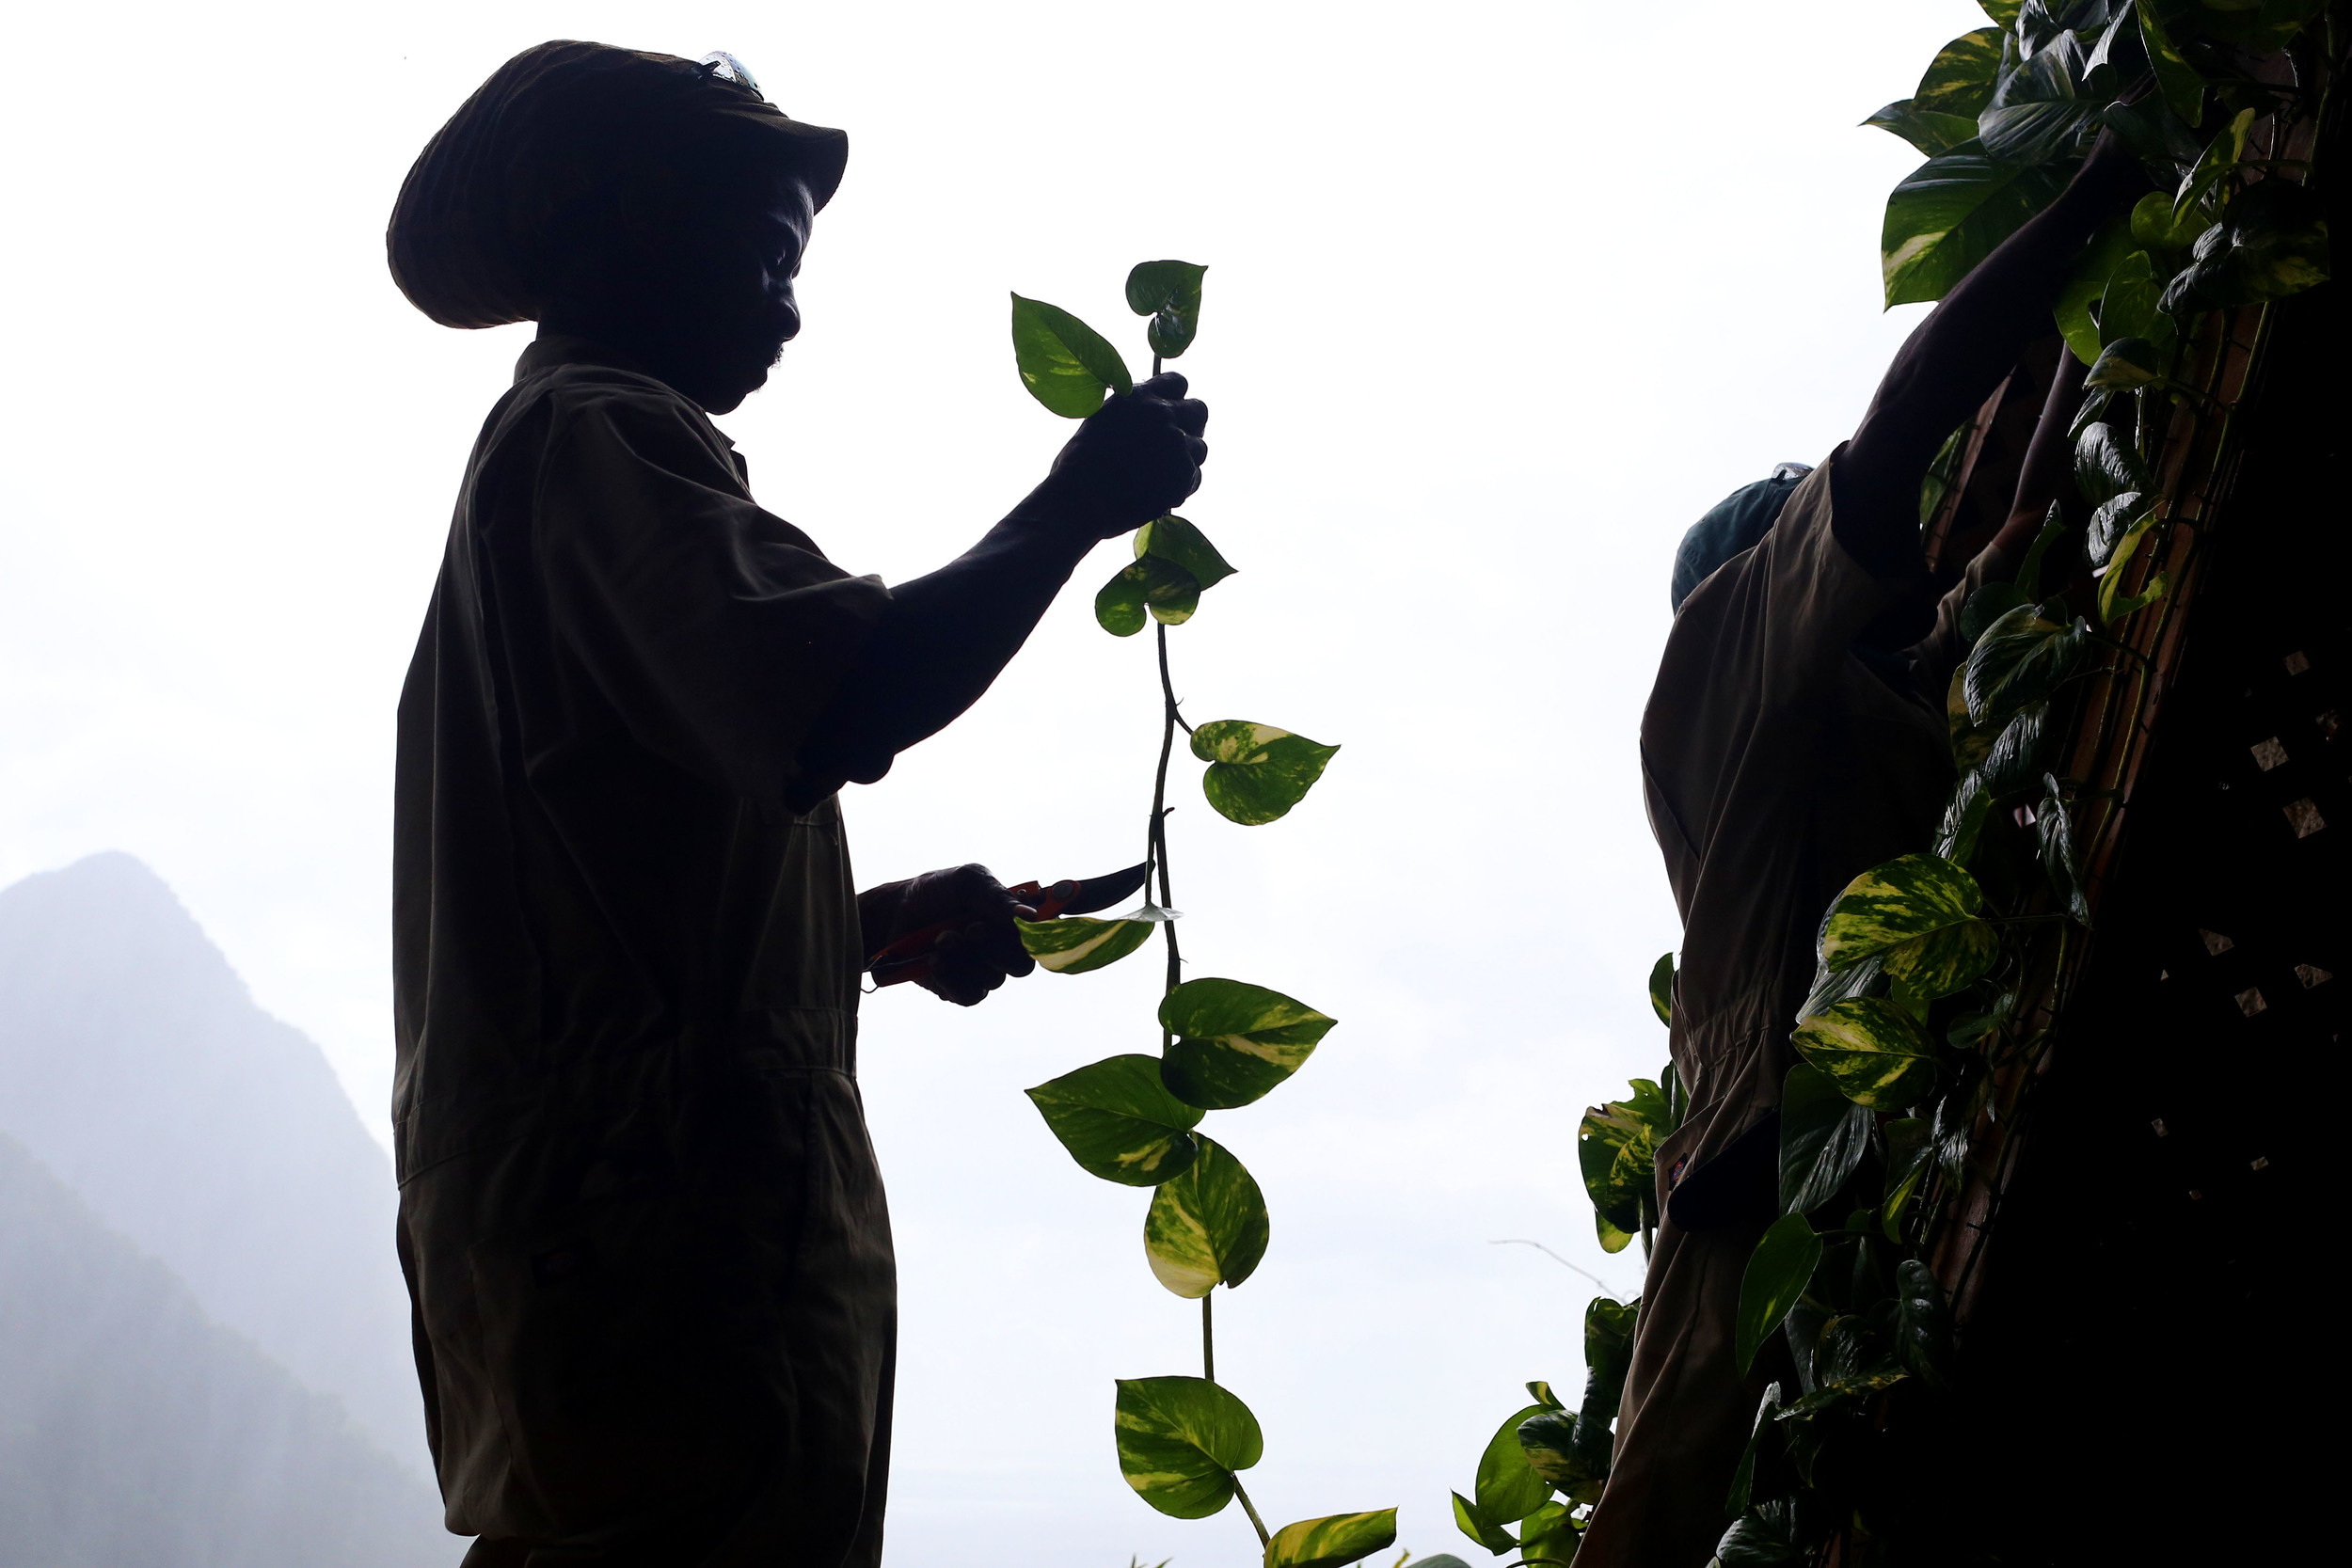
x=1943, y=974
x=1182, y=1441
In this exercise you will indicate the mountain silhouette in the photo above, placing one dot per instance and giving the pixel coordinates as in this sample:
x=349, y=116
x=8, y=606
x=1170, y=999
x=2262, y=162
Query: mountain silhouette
x=135, y=1067
x=135, y=1432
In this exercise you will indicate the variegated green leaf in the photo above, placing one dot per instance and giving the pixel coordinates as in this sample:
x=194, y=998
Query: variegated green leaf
x=1175, y=540
x=1908, y=1146
x=1549, y=1441
x=1969, y=743
x=1077, y=944
x=1918, y=915
x=2214, y=164
x=1333, y=1542
x=2113, y=603
x=1169, y=294
x=1256, y=772
x=2113, y=519
x=1616, y=1146
x=2021, y=658
x=1119, y=1123
x=2183, y=89
x=2125, y=365
x=1180, y=1441
x=1485, y=1531
x=1159, y=586
x=1661, y=989
x=1951, y=212
x=1234, y=1041
x=1833, y=986
x=1965, y=816
x=1778, y=1273
x=1207, y=1225
x=2107, y=464
x=2154, y=229
x=1607, y=1358
x=1933, y=132
x=1065, y=364
x=1823, y=1136
x=2060, y=862
x=1923, y=1322
x=2128, y=309
x=2087, y=285
x=2013, y=765
x=1548, y=1538
x=1508, y=1487
x=1959, y=81
x=1872, y=1049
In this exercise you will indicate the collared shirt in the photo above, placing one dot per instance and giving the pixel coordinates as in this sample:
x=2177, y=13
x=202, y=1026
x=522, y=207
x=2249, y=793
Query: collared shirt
x=1777, y=766
x=594, y=847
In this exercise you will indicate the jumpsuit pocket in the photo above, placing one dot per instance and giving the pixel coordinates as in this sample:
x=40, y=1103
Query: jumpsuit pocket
x=616, y=1395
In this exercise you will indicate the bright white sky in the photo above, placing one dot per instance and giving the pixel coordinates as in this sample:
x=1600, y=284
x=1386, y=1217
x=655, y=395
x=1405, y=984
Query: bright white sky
x=1502, y=297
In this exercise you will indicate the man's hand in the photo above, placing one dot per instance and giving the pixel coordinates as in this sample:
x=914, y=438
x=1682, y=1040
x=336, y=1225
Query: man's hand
x=981, y=946
x=1134, y=460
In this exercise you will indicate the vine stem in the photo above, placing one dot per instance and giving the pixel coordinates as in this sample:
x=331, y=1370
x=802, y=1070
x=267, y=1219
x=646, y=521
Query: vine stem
x=1251, y=1509
x=1156, y=852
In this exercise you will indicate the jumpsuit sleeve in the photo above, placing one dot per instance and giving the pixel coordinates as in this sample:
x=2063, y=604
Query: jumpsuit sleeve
x=716, y=630
x=1744, y=679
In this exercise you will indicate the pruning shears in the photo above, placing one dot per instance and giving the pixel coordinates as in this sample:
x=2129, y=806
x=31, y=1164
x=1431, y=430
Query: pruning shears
x=912, y=956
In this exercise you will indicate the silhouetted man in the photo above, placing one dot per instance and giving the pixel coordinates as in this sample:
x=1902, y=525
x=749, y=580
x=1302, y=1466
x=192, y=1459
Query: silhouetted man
x=1796, y=737
x=640, y=1221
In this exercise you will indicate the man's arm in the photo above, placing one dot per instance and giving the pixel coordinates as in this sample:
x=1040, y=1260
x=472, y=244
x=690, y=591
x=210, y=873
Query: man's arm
x=1952, y=363
x=945, y=635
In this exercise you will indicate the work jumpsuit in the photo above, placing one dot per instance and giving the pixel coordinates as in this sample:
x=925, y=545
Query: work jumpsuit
x=1777, y=766
x=643, y=1229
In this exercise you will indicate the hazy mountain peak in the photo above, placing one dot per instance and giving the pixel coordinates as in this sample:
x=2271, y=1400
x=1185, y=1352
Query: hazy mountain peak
x=135, y=1064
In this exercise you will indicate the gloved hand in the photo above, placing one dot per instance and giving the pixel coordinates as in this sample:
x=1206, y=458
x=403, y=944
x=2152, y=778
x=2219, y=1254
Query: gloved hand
x=1134, y=460
x=979, y=948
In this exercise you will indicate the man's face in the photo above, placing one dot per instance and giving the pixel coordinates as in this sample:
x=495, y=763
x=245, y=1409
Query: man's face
x=730, y=309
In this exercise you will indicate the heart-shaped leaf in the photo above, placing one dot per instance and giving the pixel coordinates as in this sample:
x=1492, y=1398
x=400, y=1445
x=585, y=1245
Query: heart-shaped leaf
x=2125, y=365
x=1923, y=1323
x=1777, y=1273
x=1509, y=1488
x=1607, y=1356
x=1256, y=773
x=2021, y=658
x=1918, y=916
x=2107, y=465
x=2215, y=165
x=1615, y=1146
x=2183, y=89
x=1234, y=1041
x=2114, y=517
x=1763, y=1537
x=1180, y=1441
x=2154, y=229
x=2088, y=285
x=2113, y=604
x=1077, y=944
x=1549, y=1438
x=1119, y=1123
x=1169, y=294
x=1207, y=1225
x=1959, y=81
x=1872, y=1049
x=1908, y=1146
x=1488, y=1532
x=2270, y=244
x=1164, y=590
x=2060, y=862
x=2128, y=308
x=1661, y=989
x=1063, y=362
x=1173, y=539
x=1332, y=1541
x=1933, y=132
x=2012, y=765
x=1823, y=1136
x=1951, y=213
